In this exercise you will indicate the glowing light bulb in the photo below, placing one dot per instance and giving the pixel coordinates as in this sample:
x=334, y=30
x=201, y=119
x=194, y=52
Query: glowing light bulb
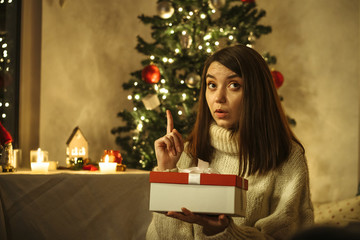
x=231, y=37
x=191, y=13
x=162, y=81
x=164, y=90
x=137, y=96
x=129, y=97
x=177, y=50
x=136, y=83
x=203, y=16
x=184, y=96
x=180, y=9
x=142, y=118
x=207, y=37
x=165, y=59
x=164, y=97
x=171, y=60
x=152, y=57
x=135, y=109
x=183, y=32
x=182, y=81
x=217, y=43
x=7, y=104
x=200, y=47
x=208, y=50
x=180, y=112
x=139, y=126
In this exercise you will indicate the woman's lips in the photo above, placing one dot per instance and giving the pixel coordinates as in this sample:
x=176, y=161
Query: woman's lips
x=221, y=113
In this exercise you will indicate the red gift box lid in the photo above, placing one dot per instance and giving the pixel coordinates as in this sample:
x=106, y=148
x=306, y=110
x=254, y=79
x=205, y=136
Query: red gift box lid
x=205, y=179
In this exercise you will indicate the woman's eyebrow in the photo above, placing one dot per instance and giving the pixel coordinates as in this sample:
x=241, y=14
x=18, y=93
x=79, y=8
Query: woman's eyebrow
x=233, y=76
x=209, y=76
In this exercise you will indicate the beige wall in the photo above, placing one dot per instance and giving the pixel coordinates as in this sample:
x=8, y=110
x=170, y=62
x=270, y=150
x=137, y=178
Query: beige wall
x=317, y=45
x=88, y=52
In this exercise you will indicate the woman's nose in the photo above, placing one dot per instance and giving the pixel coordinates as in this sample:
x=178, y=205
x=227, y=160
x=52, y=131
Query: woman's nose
x=220, y=96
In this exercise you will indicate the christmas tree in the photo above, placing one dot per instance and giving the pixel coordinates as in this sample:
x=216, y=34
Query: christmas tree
x=184, y=33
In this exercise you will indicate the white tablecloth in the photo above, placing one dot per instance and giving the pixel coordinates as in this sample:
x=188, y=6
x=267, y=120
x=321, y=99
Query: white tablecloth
x=74, y=205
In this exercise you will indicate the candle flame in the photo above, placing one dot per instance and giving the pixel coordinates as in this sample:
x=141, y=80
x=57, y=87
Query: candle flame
x=40, y=155
x=106, y=158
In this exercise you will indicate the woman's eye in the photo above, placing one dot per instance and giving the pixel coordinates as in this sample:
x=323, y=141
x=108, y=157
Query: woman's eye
x=234, y=85
x=211, y=85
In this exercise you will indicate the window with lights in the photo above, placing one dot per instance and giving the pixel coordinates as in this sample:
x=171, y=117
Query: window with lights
x=10, y=19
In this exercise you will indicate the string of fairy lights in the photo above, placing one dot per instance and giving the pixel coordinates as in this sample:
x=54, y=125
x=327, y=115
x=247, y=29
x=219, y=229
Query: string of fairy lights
x=4, y=65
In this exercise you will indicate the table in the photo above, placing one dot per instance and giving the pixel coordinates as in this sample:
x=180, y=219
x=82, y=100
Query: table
x=74, y=205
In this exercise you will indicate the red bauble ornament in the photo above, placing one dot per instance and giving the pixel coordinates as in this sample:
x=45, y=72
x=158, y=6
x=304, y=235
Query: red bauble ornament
x=151, y=74
x=278, y=78
x=248, y=1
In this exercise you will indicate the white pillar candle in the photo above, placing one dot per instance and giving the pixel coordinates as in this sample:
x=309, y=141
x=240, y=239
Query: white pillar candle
x=40, y=166
x=39, y=161
x=106, y=166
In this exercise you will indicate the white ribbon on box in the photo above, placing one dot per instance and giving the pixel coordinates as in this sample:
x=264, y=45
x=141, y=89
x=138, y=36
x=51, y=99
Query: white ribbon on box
x=195, y=172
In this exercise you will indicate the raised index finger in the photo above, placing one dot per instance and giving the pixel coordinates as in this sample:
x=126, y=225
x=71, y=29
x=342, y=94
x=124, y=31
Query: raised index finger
x=170, y=123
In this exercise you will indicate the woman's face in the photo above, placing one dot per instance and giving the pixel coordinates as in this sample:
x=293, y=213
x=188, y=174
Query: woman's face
x=224, y=93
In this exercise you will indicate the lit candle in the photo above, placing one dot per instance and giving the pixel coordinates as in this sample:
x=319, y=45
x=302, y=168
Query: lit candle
x=38, y=162
x=106, y=166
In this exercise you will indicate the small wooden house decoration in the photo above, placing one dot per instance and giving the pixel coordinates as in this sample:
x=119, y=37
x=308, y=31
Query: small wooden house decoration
x=77, y=146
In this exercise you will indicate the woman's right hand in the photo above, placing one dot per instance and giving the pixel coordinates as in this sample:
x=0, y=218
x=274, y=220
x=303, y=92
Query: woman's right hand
x=169, y=147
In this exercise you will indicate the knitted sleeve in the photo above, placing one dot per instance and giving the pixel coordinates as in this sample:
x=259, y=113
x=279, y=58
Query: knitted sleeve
x=290, y=205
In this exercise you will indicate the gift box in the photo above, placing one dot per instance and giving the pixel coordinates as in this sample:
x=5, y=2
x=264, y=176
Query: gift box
x=198, y=192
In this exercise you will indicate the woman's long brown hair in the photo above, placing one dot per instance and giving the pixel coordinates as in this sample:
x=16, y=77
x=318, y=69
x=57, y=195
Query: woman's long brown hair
x=264, y=136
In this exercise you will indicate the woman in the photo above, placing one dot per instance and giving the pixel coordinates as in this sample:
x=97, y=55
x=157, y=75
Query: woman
x=240, y=129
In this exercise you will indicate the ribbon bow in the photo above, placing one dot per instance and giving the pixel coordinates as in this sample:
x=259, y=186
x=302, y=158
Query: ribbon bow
x=203, y=167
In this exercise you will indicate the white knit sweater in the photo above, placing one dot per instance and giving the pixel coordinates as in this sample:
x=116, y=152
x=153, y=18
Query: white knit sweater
x=278, y=204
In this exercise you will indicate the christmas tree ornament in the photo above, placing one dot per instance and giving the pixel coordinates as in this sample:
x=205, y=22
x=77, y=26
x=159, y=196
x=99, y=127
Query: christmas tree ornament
x=185, y=40
x=193, y=80
x=216, y=4
x=151, y=101
x=278, y=78
x=151, y=74
x=165, y=9
x=248, y=1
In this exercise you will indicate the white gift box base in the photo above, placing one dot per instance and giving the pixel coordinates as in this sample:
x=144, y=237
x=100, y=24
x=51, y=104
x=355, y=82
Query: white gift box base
x=208, y=199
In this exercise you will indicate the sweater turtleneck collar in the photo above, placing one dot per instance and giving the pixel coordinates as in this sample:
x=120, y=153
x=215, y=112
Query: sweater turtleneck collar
x=223, y=140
